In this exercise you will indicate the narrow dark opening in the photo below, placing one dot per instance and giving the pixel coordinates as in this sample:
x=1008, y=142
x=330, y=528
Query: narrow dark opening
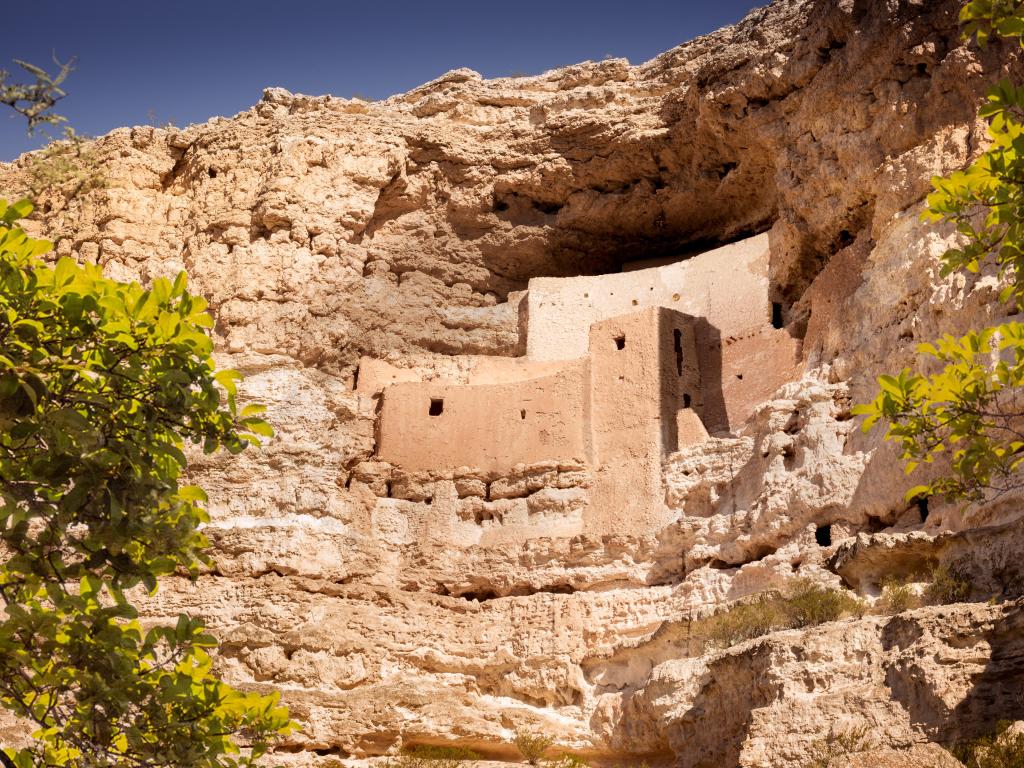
x=678, y=339
x=725, y=169
x=823, y=535
x=922, y=507
x=480, y=596
x=212, y=172
x=436, y=406
x=739, y=376
x=686, y=400
x=522, y=413
x=620, y=342
x=355, y=379
x=776, y=315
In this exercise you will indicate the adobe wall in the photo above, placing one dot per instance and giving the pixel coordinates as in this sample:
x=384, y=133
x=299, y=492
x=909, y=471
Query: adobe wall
x=643, y=370
x=491, y=427
x=728, y=287
x=374, y=375
x=753, y=368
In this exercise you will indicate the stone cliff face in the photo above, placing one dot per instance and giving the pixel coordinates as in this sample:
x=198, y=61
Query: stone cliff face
x=324, y=230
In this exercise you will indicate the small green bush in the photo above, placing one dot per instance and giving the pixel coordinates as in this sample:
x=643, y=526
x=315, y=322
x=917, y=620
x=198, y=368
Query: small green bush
x=946, y=587
x=897, y=596
x=999, y=750
x=532, y=746
x=743, y=621
x=809, y=604
x=805, y=604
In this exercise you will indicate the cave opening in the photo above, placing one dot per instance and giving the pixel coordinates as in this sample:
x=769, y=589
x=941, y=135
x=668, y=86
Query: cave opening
x=922, y=507
x=823, y=535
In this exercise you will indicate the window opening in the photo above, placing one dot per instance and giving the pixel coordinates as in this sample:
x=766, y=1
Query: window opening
x=522, y=413
x=620, y=342
x=686, y=400
x=776, y=315
x=678, y=342
x=823, y=535
x=436, y=406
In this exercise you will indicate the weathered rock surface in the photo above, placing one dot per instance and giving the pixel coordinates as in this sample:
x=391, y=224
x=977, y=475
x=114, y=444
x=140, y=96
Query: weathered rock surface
x=323, y=230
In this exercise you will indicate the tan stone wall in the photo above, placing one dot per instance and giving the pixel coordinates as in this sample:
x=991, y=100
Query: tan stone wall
x=639, y=376
x=727, y=286
x=490, y=427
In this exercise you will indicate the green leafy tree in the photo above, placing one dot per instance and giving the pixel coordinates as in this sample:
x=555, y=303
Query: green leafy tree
x=102, y=385
x=971, y=410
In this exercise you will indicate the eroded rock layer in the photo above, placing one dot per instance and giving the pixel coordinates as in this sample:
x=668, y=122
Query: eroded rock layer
x=397, y=607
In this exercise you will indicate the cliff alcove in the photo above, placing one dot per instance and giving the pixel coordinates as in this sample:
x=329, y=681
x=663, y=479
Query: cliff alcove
x=728, y=233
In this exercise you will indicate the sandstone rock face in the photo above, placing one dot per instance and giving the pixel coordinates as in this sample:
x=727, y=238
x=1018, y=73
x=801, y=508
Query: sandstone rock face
x=397, y=606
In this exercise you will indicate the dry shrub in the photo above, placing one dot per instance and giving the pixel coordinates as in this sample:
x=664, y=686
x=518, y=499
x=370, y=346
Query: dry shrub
x=1002, y=749
x=830, y=750
x=68, y=166
x=532, y=746
x=743, y=621
x=805, y=604
x=432, y=756
x=809, y=604
x=946, y=586
x=897, y=596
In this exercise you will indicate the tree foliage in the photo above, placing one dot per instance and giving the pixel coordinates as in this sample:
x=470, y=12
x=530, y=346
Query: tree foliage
x=102, y=384
x=971, y=410
x=36, y=99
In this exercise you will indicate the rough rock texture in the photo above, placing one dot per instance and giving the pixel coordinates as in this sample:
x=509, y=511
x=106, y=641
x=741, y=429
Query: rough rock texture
x=323, y=230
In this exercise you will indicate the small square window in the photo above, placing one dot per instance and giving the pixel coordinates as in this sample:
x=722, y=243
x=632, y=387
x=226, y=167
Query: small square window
x=620, y=342
x=436, y=406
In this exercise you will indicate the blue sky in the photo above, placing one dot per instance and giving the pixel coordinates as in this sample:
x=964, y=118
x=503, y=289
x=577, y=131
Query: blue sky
x=154, y=61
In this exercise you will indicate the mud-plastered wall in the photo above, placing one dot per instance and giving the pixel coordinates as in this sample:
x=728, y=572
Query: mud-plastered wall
x=728, y=287
x=435, y=425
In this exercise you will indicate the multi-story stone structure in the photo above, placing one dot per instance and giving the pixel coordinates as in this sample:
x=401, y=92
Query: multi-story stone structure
x=620, y=370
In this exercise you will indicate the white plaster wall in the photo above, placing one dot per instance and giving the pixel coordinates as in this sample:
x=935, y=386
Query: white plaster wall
x=728, y=286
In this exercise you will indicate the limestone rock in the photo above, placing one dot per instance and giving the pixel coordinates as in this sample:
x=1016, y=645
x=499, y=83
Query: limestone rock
x=350, y=247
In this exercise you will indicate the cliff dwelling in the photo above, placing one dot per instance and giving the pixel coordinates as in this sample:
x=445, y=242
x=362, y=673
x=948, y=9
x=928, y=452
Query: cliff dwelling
x=620, y=371
x=554, y=423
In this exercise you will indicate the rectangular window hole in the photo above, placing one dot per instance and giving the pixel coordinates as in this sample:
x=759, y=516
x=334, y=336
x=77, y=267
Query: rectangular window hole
x=686, y=400
x=436, y=406
x=620, y=342
x=522, y=413
x=776, y=315
x=678, y=341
